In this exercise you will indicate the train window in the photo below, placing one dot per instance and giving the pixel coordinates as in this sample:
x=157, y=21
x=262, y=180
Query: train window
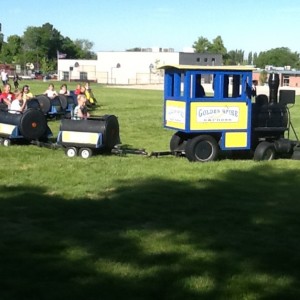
x=201, y=85
x=231, y=86
x=174, y=85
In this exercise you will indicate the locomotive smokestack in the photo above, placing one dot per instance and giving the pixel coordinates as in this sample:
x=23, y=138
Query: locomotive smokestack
x=273, y=85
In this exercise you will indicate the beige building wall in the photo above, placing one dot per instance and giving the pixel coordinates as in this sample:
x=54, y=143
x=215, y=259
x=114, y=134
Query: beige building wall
x=119, y=67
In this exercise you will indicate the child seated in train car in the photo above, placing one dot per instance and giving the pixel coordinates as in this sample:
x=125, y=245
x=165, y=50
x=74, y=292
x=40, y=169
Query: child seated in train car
x=77, y=90
x=80, y=111
x=89, y=94
x=7, y=96
x=27, y=95
x=64, y=90
x=50, y=92
x=18, y=104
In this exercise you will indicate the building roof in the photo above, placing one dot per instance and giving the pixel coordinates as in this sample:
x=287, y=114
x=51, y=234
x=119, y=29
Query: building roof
x=215, y=68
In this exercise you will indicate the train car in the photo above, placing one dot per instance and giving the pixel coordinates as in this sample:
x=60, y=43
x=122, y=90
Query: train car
x=23, y=127
x=59, y=106
x=228, y=119
x=86, y=136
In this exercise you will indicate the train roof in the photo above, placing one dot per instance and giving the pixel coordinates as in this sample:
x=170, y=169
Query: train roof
x=204, y=68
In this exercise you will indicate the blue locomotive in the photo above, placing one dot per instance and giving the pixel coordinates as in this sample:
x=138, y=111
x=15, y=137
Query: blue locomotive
x=228, y=119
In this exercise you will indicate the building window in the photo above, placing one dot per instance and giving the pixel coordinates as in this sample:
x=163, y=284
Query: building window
x=286, y=80
x=205, y=59
x=198, y=59
x=83, y=76
x=65, y=76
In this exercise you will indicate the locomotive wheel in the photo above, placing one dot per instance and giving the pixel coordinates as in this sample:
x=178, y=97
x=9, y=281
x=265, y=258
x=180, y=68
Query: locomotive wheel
x=177, y=142
x=264, y=151
x=71, y=152
x=85, y=152
x=6, y=142
x=202, y=148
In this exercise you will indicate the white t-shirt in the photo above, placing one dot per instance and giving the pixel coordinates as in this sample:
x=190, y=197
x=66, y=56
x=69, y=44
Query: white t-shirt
x=51, y=94
x=15, y=107
x=3, y=75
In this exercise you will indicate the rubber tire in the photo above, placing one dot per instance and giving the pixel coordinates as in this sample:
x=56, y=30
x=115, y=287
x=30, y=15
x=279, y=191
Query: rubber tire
x=71, y=151
x=202, y=148
x=264, y=151
x=177, y=142
x=85, y=153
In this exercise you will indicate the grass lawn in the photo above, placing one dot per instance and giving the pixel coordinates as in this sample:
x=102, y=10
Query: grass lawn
x=133, y=227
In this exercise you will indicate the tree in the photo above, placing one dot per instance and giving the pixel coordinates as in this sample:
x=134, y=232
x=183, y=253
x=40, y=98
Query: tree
x=250, y=58
x=263, y=77
x=84, y=49
x=218, y=47
x=254, y=58
x=234, y=57
x=202, y=45
x=11, y=50
x=278, y=57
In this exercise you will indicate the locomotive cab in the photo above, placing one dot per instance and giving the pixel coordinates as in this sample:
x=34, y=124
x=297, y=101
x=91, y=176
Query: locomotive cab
x=213, y=110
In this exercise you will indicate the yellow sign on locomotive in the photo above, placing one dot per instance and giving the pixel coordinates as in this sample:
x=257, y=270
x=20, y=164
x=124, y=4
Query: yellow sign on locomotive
x=175, y=114
x=218, y=115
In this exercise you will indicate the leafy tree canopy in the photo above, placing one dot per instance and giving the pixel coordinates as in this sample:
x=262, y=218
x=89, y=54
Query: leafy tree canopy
x=39, y=45
x=278, y=57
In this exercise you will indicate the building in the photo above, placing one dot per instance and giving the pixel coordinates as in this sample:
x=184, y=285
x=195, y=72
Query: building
x=130, y=67
x=287, y=77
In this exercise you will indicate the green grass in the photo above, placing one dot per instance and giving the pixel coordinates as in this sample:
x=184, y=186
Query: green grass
x=134, y=227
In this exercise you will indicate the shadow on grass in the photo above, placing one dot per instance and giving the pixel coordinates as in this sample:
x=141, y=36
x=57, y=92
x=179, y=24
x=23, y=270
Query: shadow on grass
x=232, y=238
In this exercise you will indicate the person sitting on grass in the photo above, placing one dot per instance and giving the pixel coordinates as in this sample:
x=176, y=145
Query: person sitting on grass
x=80, y=111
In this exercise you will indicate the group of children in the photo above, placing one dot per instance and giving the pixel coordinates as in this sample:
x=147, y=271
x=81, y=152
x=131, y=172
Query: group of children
x=16, y=102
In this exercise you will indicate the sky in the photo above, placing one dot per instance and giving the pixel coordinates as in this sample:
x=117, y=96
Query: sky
x=118, y=25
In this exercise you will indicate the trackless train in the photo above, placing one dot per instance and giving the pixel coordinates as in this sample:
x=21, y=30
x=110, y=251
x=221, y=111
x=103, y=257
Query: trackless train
x=227, y=120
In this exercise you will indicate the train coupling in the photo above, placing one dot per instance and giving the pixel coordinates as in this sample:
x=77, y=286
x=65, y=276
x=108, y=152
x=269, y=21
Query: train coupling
x=125, y=149
x=176, y=153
